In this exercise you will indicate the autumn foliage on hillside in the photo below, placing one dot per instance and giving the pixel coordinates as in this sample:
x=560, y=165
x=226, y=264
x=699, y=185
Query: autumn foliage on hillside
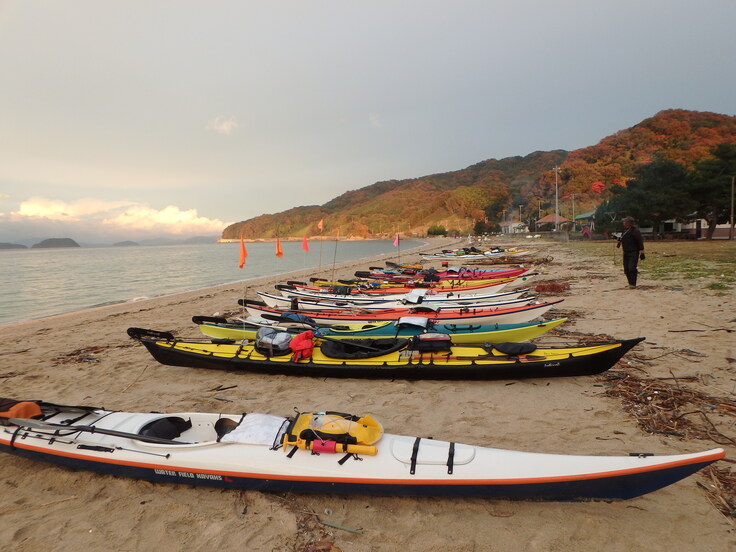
x=496, y=190
x=684, y=137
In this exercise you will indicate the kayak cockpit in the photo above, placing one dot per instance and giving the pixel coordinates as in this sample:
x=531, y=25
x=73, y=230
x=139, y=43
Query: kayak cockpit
x=195, y=429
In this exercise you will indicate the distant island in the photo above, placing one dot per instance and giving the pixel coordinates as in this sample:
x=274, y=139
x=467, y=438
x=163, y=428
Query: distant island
x=55, y=242
x=12, y=246
x=126, y=243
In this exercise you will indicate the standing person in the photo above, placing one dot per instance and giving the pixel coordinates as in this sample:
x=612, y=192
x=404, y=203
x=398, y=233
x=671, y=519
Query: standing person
x=633, y=246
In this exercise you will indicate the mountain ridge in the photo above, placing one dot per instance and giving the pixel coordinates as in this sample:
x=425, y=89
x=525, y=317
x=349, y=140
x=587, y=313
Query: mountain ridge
x=494, y=190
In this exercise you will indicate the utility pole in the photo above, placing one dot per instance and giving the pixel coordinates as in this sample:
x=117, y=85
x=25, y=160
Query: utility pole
x=557, y=206
x=730, y=227
x=573, y=212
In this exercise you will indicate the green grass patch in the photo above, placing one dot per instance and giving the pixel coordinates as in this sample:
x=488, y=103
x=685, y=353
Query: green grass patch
x=705, y=264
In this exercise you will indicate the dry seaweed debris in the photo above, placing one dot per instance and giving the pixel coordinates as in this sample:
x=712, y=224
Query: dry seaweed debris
x=88, y=354
x=670, y=409
x=85, y=354
x=312, y=533
x=515, y=259
x=720, y=490
x=551, y=287
x=676, y=410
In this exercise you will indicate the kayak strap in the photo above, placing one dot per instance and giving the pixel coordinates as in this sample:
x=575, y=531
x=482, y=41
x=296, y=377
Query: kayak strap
x=414, y=454
x=450, y=458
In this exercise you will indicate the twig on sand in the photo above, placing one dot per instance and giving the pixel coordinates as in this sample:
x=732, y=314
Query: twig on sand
x=136, y=379
x=341, y=527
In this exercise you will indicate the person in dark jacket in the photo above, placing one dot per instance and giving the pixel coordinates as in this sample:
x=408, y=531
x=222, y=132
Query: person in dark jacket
x=633, y=245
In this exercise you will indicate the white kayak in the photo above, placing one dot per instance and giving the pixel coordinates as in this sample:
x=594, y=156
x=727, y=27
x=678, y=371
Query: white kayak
x=417, y=296
x=321, y=452
x=294, y=303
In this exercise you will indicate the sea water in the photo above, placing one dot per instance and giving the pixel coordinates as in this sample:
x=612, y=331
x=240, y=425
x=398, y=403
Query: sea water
x=44, y=282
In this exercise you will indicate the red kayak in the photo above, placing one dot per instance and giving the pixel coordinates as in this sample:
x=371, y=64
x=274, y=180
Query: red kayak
x=490, y=315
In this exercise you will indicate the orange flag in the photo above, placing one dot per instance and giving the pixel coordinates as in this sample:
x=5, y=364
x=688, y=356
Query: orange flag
x=279, y=251
x=305, y=245
x=320, y=224
x=243, y=253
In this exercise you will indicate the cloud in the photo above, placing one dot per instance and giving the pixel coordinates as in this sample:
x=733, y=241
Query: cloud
x=170, y=219
x=62, y=211
x=223, y=125
x=94, y=219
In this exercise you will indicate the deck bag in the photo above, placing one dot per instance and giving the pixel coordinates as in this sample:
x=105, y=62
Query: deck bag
x=342, y=290
x=271, y=342
x=413, y=322
x=354, y=349
x=257, y=429
x=297, y=318
x=432, y=342
x=514, y=349
x=302, y=345
x=414, y=297
x=257, y=320
x=10, y=408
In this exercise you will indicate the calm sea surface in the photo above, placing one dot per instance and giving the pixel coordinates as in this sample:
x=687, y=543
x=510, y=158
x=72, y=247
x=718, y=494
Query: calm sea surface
x=43, y=282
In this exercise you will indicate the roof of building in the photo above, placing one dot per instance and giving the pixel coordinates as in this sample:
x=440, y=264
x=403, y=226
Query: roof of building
x=588, y=215
x=551, y=218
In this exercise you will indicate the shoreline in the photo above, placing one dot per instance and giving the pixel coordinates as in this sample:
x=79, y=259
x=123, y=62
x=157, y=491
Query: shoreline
x=87, y=358
x=256, y=281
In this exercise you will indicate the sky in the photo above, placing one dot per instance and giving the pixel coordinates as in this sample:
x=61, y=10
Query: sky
x=128, y=120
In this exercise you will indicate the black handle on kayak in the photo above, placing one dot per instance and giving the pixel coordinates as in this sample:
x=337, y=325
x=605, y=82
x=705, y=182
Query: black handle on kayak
x=246, y=302
x=212, y=319
x=138, y=333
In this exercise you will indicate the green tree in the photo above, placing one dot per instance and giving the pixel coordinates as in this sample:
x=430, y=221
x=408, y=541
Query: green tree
x=711, y=185
x=661, y=190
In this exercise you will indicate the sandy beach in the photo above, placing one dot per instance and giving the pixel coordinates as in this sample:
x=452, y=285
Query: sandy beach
x=87, y=358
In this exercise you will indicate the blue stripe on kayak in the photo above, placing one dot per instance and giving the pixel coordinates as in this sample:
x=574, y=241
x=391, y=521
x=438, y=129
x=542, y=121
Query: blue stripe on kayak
x=604, y=488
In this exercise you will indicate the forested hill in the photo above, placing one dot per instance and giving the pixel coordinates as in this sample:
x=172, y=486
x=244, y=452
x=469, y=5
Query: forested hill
x=494, y=190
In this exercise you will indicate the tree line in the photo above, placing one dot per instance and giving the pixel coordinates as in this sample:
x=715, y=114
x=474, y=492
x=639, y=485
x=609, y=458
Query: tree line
x=665, y=190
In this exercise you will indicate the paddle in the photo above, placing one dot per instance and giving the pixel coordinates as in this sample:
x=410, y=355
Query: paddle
x=37, y=424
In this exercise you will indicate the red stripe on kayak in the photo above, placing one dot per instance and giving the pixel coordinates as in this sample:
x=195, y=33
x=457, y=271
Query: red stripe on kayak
x=521, y=481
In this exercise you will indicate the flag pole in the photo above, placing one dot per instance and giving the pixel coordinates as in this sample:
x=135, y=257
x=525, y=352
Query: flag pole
x=305, y=247
x=321, y=227
x=241, y=264
x=334, y=257
x=397, y=243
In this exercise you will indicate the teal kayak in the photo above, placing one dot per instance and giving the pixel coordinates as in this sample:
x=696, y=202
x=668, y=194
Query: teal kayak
x=408, y=326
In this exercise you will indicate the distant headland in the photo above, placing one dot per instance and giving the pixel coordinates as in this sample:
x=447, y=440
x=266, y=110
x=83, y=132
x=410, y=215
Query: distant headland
x=4, y=245
x=55, y=242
